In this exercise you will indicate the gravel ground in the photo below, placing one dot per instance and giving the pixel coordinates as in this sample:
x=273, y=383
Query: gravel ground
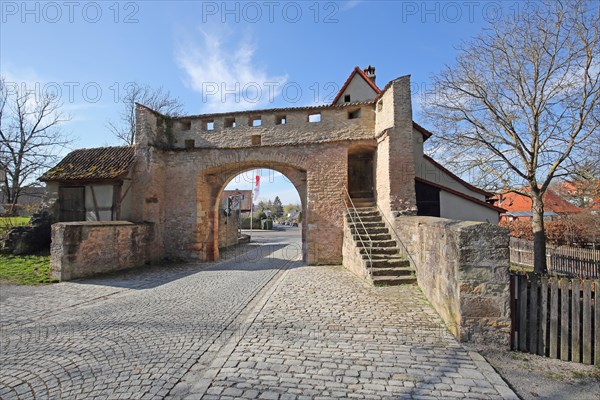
x=535, y=377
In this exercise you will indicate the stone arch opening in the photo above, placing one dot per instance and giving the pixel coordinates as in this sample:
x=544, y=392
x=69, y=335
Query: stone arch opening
x=211, y=184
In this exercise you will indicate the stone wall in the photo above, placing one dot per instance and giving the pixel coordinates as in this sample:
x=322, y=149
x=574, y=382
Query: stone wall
x=462, y=267
x=180, y=192
x=351, y=254
x=228, y=228
x=83, y=249
x=213, y=130
x=183, y=164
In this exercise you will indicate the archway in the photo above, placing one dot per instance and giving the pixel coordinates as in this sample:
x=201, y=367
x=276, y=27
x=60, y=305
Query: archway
x=212, y=182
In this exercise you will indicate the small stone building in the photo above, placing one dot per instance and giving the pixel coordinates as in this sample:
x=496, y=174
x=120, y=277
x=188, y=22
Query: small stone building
x=92, y=184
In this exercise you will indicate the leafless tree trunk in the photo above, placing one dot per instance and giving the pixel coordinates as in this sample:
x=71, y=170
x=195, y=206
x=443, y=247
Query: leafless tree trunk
x=522, y=102
x=29, y=137
x=156, y=99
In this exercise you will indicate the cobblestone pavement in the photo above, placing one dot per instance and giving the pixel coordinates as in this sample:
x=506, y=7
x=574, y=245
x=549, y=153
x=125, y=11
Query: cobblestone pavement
x=194, y=332
x=126, y=336
x=323, y=333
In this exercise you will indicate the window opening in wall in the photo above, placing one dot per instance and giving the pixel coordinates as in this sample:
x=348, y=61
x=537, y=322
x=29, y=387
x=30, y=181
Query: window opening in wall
x=354, y=114
x=347, y=98
x=229, y=123
x=280, y=120
x=255, y=121
x=314, y=117
x=209, y=125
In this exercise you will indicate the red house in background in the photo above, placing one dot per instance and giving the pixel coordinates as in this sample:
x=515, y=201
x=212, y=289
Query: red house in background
x=518, y=207
x=582, y=193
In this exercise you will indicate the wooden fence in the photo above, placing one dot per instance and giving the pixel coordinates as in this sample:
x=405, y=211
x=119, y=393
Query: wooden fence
x=562, y=260
x=556, y=317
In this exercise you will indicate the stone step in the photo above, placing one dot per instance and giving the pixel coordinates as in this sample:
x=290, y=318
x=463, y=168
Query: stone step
x=371, y=238
x=387, y=250
x=363, y=218
x=386, y=263
x=367, y=224
x=362, y=198
x=363, y=203
x=393, y=280
x=376, y=244
x=363, y=210
x=397, y=271
x=368, y=230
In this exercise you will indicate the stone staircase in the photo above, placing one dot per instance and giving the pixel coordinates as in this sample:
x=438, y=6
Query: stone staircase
x=386, y=264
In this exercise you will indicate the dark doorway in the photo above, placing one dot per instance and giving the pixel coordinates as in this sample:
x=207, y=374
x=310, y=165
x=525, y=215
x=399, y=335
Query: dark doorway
x=360, y=175
x=428, y=199
x=72, y=203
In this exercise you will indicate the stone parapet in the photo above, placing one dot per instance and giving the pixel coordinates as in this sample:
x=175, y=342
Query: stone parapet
x=274, y=127
x=463, y=269
x=83, y=249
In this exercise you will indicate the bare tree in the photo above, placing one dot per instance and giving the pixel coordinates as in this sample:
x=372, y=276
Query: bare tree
x=30, y=137
x=522, y=100
x=157, y=99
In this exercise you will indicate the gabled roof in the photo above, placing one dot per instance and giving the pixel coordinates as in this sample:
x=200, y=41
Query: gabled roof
x=512, y=202
x=459, y=180
x=102, y=163
x=426, y=134
x=361, y=73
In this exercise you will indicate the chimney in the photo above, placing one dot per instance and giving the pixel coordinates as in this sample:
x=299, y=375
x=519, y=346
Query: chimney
x=370, y=72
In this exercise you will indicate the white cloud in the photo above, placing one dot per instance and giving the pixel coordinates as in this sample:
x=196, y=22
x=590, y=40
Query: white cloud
x=226, y=75
x=348, y=5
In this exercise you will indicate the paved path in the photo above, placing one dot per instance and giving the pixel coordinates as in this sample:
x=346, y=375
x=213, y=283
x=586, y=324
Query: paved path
x=256, y=326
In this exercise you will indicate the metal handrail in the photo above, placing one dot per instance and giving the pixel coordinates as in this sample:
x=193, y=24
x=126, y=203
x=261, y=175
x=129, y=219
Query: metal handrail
x=390, y=226
x=369, y=249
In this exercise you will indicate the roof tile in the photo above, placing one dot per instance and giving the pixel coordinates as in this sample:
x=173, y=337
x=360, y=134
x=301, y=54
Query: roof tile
x=102, y=163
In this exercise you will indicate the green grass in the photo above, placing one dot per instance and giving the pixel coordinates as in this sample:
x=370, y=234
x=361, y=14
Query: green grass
x=25, y=270
x=8, y=222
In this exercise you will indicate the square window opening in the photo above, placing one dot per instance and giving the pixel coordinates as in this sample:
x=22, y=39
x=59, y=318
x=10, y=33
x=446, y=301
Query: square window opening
x=280, y=120
x=229, y=123
x=314, y=117
x=186, y=125
x=354, y=114
x=255, y=121
x=347, y=98
x=209, y=125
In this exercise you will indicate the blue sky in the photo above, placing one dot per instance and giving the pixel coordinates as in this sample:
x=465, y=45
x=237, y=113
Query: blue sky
x=275, y=53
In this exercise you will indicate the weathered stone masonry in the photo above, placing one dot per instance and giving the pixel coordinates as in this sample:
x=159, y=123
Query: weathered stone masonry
x=184, y=163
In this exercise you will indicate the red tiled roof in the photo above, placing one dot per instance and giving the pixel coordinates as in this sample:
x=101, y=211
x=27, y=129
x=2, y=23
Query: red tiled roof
x=513, y=202
x=102, y=163
x=355, y=71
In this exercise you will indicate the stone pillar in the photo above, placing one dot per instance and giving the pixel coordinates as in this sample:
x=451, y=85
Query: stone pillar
x=462, y=268
x=395, y=161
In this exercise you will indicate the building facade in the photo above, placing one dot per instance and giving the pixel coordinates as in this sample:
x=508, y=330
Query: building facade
x=365, y=145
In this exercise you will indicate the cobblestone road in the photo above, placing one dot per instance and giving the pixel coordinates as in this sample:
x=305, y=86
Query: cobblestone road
x=193, y=332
